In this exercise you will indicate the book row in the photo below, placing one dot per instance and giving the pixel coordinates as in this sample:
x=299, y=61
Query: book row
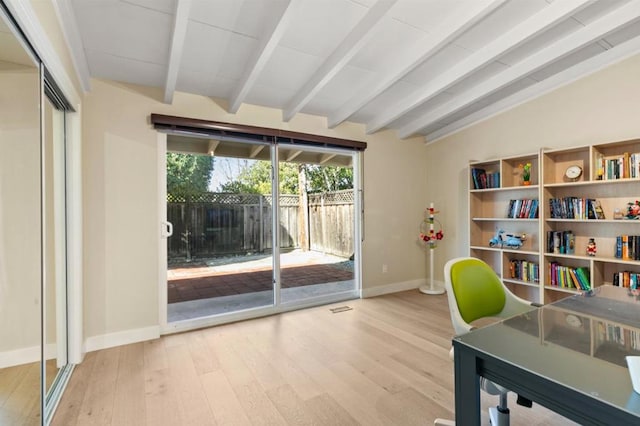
x=575, y=208
x=618, y=167
x=484, y=180
x=524, y=270
x=568, y=277
x=561, y=242
x=627, y=247
x=620, y=336
x=523, y=209
x=626, y=279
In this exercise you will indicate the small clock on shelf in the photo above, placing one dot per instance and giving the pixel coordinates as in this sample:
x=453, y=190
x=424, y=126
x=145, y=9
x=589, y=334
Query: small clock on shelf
x=572, y=173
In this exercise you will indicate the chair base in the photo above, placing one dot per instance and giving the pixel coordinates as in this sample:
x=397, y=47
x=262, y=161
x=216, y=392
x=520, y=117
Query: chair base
x=498, y=417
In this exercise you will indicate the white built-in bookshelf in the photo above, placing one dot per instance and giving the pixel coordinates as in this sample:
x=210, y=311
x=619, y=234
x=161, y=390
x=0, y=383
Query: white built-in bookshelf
x=608, y=177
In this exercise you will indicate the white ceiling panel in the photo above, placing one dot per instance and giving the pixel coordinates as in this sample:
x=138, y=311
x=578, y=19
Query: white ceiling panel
x=389, y=97
x=215, y=51
x=204, y=48
x=317, y=29
x=110, y=67
x=243, y=17
x=393, y=36
x=288, y=69
x=425, y=15
x=437, y=65
x=269, y=96
x=166, y=6
x=499, y=22
x=349, y=82
x=125, y=30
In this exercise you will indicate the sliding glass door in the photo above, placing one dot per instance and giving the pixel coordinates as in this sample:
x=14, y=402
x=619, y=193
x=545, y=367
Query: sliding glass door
x=317, y=224
x=243, y=241
x=219, y=205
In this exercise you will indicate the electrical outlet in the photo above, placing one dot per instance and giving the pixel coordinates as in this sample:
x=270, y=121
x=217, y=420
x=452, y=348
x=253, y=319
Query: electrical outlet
x=385, y=269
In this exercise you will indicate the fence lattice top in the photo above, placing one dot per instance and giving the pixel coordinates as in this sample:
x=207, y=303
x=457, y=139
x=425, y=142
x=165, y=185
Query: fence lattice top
x=227, y=198
x=336, y=197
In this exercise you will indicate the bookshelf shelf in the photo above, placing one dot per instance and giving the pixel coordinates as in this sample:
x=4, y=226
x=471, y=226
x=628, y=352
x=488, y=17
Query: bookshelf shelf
x=568, y=256
x=597, y=221
x=518, y=282
x=562, y=289
x=502, y=219
x=532, y=188
x=609, y=179
x=623, y=181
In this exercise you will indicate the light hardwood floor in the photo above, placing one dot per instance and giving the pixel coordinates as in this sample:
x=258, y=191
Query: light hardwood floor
x=385, y=362
x=20, y=395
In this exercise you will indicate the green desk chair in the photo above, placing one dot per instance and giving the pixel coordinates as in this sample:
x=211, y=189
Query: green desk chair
x=474, y=292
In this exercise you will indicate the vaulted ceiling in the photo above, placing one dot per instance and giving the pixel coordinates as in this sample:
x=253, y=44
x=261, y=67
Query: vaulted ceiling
x=425, y=67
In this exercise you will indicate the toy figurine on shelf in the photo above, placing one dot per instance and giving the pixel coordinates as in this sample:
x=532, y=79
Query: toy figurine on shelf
x=633, y=210
x=503, y=239
x=591, y=247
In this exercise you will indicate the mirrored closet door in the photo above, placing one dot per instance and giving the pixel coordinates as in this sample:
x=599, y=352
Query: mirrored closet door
x=54, y=327
x=20, y=232
x=33, y=235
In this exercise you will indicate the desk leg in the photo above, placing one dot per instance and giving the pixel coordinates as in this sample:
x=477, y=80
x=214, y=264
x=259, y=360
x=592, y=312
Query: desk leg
x=467, y=387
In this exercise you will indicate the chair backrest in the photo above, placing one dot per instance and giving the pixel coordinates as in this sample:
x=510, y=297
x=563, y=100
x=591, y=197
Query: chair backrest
x=475, y=291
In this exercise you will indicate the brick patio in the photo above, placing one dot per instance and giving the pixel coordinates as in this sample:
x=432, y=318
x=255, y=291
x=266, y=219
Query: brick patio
x=205, y=285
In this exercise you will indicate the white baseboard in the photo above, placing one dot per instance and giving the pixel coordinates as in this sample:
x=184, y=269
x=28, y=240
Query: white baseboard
x=19, y=356
x=120, y=338
x=393, y=288
x=26, y=355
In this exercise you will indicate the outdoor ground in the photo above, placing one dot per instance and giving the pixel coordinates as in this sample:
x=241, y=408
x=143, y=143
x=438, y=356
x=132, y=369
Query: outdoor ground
x=233, y=275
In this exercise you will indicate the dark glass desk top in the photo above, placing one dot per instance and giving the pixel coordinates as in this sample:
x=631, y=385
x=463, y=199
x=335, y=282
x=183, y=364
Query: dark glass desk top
x=579, y=342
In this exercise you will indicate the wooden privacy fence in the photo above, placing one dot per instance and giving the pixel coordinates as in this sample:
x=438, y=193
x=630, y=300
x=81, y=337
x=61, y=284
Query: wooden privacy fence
x=331, y=222
x=213, y=224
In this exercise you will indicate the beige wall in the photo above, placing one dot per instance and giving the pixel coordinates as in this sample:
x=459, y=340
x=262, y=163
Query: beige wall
x=603, y=107
x=19, y=216
x=120, y=178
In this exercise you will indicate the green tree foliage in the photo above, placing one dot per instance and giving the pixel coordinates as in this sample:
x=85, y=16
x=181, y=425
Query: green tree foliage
x=255, y=178
x=328, y=178
x=188, y=174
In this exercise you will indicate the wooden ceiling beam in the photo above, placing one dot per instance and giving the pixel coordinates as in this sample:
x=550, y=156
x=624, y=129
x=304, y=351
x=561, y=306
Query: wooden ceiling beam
x=268, y=44
x=293, y=154
x=557, y=50
x=340, y=57
x=255, y=150
x=412, y=56
x=213, y=145
x=325, y=158
x=618, y=53
x=517, y=36
x=177, y=46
